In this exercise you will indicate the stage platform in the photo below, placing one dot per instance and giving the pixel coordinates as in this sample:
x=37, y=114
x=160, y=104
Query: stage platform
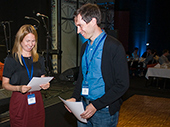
x=143, y=106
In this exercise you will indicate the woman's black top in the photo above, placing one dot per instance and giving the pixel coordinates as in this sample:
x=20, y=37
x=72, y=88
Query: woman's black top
x=18, y=74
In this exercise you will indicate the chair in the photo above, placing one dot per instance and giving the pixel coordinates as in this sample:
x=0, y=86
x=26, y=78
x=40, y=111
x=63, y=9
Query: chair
x=134, y=67
x=151, y=65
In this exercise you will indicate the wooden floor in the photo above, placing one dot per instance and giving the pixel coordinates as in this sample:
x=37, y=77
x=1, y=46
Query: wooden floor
x=145, y=111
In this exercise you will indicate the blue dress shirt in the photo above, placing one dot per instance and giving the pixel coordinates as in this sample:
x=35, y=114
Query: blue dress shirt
x=94, y=78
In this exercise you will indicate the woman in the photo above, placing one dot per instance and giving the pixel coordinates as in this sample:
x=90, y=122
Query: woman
x=26, y=108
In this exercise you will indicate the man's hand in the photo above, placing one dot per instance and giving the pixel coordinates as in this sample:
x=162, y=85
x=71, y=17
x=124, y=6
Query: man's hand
x=71, y=100
x=89, y=112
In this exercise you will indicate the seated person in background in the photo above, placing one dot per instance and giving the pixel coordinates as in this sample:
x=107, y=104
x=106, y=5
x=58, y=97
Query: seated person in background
x=146, y=56
x=135, y=54
x=134, y=62
x=168, y=57
x=163, y=59
x=151, y=59
x=147, y=53
x=128, y=56
x=156, y=58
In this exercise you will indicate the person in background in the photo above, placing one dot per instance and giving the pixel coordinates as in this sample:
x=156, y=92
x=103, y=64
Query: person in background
x=103, y=74
x=163, y=59
x=168, y=57
x=128, y=56
x=135, y=54
x=129, y=59
x=145, y=57
x=134, y=62
x=26, y=108
x=151, y=59
x=147, y=53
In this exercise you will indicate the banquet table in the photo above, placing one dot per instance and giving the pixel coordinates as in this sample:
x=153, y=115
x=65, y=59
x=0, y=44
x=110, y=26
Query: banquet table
x=158, y=72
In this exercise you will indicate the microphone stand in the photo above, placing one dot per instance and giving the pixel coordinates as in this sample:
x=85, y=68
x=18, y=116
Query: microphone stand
x=36, y=21
x=9, y=27
x=6, y=40
x=48, y=37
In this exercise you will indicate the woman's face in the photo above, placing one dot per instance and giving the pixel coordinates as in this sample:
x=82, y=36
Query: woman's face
x=28, y=43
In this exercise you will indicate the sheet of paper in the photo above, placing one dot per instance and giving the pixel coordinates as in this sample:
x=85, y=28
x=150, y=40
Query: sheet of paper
x=76, y=108
x=37, y=81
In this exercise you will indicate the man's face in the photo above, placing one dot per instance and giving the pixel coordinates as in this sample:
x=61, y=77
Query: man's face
x=148, y=51
x=167, y=53
x=85, y=29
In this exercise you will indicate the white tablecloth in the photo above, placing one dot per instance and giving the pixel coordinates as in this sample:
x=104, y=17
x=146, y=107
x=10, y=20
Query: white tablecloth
x=158, y=72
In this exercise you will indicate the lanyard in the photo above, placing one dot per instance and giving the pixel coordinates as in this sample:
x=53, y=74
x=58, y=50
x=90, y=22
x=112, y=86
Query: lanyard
x=87, y=65
x=30, y=76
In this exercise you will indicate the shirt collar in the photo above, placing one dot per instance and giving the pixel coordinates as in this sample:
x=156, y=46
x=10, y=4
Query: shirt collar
x=96, y=41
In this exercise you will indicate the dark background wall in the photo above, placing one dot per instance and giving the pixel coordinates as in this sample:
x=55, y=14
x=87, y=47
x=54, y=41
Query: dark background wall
x=16, y=10
x=149, y=21
x=121, y=25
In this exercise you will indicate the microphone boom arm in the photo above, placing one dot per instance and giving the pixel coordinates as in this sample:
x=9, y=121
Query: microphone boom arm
x=33, y=19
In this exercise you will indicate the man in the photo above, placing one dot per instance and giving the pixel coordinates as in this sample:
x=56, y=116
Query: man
x=103, y=73
x=147, y=53
x=163, y=59
x=135, y=54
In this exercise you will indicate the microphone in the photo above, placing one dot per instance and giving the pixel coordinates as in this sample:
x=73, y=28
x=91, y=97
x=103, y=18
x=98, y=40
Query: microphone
x=42, y=15
x=2, y=24
x=32, y=18
x=35, y=20
x=28, y=17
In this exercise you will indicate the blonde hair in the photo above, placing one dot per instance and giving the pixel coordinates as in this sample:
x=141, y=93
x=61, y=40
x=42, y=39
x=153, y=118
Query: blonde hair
x=17, y=49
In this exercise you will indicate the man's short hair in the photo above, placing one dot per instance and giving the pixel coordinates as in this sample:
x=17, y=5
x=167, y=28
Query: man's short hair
x=165, y=51
x=89, y=11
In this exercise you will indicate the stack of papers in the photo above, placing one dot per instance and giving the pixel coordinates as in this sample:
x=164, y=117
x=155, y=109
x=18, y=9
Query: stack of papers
x=37, y=81
x=76, y=108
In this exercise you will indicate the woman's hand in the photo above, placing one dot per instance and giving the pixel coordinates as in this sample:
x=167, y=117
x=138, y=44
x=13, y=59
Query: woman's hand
x=21, y=88
x=45, y=86
x=24, y=88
